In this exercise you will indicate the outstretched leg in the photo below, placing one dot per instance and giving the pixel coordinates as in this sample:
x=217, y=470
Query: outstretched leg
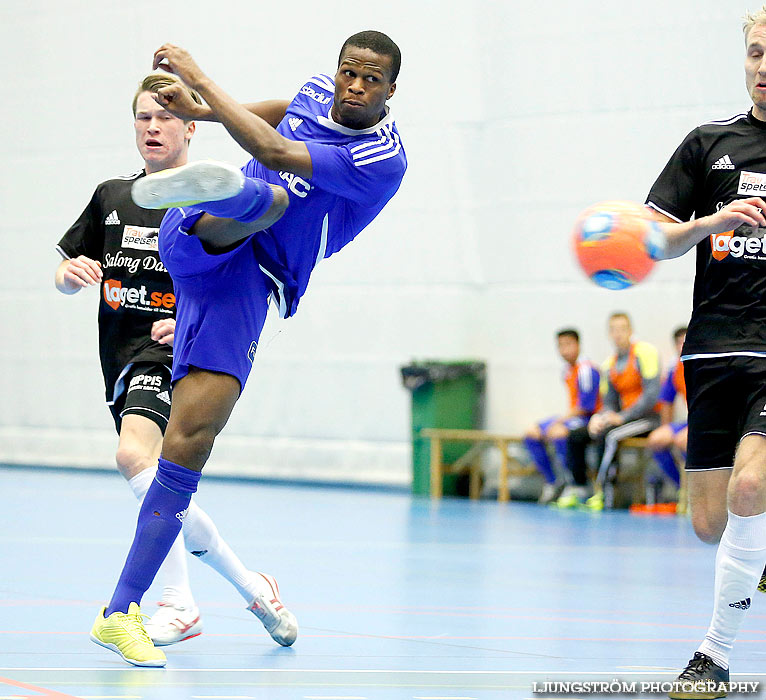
x=236, y=206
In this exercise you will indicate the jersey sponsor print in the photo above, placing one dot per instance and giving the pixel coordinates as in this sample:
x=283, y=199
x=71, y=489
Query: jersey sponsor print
x=116, y=296
x=136, y=290
x=743, y=244
x=716, y=164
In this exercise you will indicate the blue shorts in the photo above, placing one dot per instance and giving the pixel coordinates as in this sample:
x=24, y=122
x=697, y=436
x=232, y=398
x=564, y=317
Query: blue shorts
x=221, y=300
x=678, y=427
x=570, y=423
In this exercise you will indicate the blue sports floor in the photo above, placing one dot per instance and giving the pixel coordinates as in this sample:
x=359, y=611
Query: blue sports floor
x=397, y=598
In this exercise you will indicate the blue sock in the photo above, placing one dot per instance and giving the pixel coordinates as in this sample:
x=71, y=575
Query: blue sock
x=541, y=459
x=250, y=204
x=664, y=459
x=159, y=522
x=560, y=446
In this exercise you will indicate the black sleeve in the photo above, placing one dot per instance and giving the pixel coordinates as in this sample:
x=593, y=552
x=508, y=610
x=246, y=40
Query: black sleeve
x=86, y=236
x=675, y=191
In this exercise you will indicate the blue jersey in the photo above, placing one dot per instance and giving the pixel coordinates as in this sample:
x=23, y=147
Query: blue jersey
x=582, y=380
x=223, y=297
x=355, y=172
x=668, y=391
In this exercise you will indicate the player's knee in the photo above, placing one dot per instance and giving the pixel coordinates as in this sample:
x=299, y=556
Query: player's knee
x=680, y=441
x=747, y=488
x=189, y=448
x=657, y=441
x=277, y=209
x=707, y=528
x=131, y=460
x=533, y=433
x=557, y=431
x=280, y=203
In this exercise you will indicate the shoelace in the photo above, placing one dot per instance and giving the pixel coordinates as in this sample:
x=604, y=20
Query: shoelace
x=135, y=624
x=699, y=664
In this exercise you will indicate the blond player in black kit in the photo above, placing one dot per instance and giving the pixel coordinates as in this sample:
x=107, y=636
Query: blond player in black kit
x=718, y=175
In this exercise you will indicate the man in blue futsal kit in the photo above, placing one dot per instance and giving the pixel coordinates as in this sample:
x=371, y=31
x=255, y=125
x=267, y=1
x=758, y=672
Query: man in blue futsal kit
x=235, y=240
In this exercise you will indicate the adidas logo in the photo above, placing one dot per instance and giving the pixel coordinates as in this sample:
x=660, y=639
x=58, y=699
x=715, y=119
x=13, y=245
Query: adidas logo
x=741, y=605
x=164, y=396
x=723, y=163
x=294, y=122
x=112, y=219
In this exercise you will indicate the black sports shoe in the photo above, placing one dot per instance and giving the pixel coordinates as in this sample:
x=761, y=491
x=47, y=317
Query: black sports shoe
x=762, y=582
x=702, y=678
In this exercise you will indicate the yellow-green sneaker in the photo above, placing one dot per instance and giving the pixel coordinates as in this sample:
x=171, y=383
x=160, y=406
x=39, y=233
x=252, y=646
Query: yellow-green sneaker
x=571, y=497
x=596, y=501
x=124, y=633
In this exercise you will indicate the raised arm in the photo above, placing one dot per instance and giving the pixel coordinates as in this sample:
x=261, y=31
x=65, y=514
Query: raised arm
x=177, y=101
x=683, y=237
x=250, y=129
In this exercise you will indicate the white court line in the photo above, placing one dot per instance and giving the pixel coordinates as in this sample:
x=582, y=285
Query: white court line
x=288, y=670
x=539, y=672
x=335, y=697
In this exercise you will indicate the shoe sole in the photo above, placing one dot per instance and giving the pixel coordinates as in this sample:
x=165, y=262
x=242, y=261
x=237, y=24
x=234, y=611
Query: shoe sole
x=203, y=181
x=158, y=663
x=159, y=643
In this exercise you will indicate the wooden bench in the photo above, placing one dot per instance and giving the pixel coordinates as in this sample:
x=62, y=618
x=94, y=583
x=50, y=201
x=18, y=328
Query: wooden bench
x=509, y=465
x=470, y=461
x=639, y=443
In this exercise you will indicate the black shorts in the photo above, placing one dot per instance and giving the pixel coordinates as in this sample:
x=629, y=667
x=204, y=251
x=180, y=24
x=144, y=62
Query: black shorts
x=727, y=400
x=144, y=390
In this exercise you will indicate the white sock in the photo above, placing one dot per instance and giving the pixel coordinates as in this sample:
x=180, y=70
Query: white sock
x=174, y=572
x=204, y=542
x=738, y=568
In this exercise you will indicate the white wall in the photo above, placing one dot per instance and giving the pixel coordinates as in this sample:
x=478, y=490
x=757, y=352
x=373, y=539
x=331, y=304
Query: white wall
x=514, y=115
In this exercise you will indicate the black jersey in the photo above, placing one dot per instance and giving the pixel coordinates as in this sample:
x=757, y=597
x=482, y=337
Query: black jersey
x=136, y=289
x=717, y=163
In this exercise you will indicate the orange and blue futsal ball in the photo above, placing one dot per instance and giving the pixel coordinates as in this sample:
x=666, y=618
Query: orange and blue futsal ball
x=616, y=243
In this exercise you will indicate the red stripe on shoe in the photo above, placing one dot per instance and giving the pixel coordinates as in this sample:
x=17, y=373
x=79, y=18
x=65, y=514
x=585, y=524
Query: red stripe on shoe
x=182, y=627
x=274, y=587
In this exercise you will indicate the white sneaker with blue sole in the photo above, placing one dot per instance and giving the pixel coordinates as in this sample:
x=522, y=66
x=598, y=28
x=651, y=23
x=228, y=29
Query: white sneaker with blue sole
x=201, y=181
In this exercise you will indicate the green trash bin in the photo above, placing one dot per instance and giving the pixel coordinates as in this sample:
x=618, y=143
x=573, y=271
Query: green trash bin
x=444, y=395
